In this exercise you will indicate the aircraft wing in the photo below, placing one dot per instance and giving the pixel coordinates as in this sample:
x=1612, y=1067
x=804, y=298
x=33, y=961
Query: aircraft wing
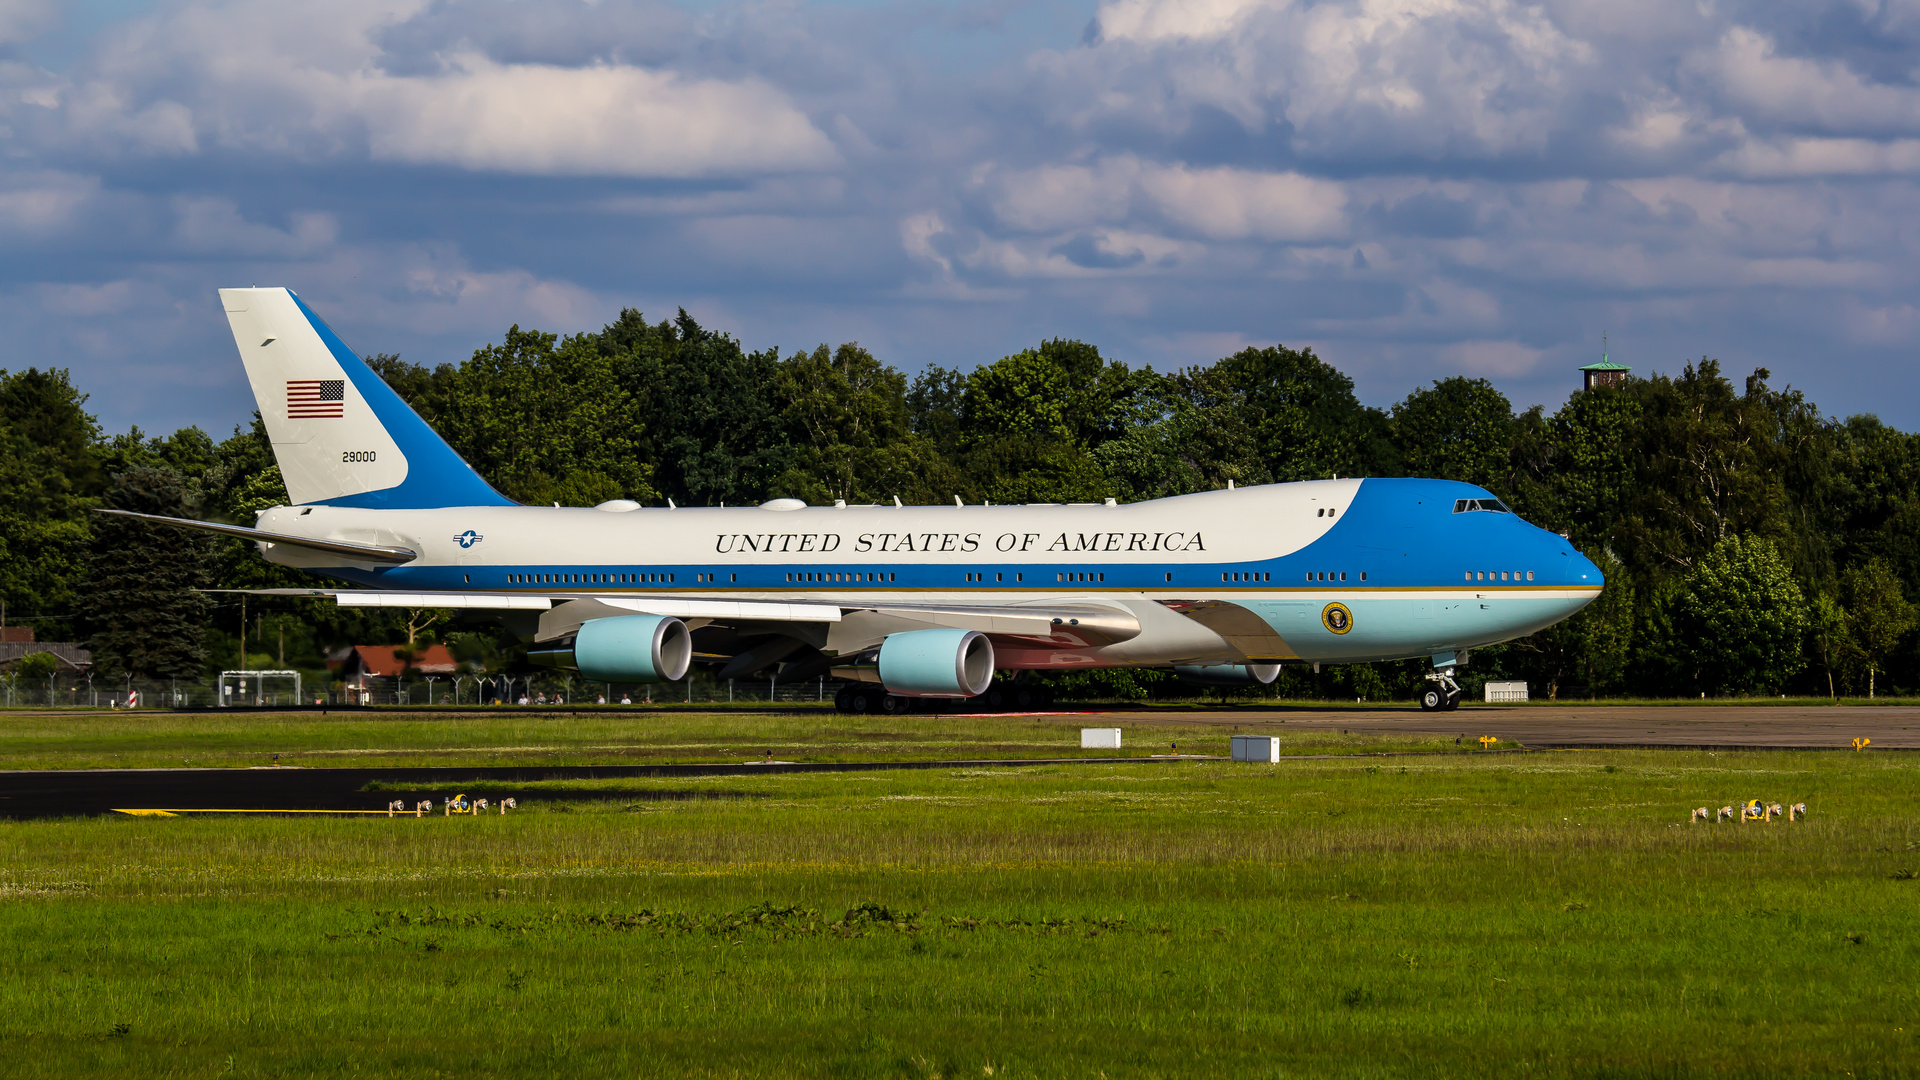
x=1086, y=623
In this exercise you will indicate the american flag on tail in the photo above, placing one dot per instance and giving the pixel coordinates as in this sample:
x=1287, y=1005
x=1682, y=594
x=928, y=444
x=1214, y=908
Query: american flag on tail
x=315, y=399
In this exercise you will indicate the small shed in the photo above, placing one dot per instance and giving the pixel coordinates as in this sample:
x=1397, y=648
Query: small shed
x=364, y=667
x=17, y=642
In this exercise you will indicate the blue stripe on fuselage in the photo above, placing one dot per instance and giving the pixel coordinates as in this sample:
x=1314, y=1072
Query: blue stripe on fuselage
x=1399, y=533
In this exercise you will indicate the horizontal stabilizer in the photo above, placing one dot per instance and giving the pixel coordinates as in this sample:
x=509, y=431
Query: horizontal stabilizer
x=364, y=553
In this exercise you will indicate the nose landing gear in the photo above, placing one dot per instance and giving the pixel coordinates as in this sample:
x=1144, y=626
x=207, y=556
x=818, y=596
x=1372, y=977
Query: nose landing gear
x=1442, y=694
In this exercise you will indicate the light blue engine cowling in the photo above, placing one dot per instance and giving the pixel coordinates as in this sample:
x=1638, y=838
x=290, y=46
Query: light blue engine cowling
x=633, y=648
x=936, y=663
x=1228, y=674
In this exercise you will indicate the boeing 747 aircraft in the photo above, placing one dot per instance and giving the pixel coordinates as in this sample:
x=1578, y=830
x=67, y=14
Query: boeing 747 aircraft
x=907, y=603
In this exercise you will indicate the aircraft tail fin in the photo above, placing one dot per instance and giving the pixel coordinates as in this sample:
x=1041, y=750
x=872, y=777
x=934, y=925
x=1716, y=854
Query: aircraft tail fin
x=341, y=435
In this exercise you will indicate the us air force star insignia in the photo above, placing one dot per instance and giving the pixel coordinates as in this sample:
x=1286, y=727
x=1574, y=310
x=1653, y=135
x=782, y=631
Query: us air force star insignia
x=468, y=539
x=1337, y=618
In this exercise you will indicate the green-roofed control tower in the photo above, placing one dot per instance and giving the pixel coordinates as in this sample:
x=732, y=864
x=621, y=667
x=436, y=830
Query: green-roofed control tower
x=1605, y=373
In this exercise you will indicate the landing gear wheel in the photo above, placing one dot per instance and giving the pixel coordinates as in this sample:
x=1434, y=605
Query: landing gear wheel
x=995, y=699
x=860, y=701
x=1433, y=699
x=1453, y=698
x=893, y=704
x=1024, y=698
x=843, y=701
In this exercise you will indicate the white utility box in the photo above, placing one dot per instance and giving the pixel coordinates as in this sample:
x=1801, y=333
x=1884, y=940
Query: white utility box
x=1506, y=691
x=1256, y=748
x=1099, y=738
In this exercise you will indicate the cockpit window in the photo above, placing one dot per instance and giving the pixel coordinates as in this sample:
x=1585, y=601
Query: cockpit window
x=1467, y=506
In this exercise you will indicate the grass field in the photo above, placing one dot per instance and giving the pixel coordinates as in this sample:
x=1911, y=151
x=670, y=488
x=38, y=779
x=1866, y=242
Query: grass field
x=1538, y=915
x=156, y=739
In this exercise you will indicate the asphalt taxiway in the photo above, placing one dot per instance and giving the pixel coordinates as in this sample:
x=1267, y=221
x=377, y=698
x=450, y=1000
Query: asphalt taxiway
x=1660, y=727
x=79, y=792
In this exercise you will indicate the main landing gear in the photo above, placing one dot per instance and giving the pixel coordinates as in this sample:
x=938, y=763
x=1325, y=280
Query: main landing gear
x=1442, y=693
x=998, y=698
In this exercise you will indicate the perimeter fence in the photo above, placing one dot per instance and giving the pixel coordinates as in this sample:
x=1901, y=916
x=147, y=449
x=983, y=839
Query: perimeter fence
x=76, y=691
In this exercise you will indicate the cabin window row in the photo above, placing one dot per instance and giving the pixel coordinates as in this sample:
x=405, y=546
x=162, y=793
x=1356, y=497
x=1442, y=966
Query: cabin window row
x=1074, y=576
x=998, y=577
x=1331, y=575
x=821, y=577
x=1498, y=575
x=591, y=579
x=1326, y=511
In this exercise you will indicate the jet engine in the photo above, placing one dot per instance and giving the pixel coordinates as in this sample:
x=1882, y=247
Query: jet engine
x=936, y=663
x=1227, y=674
x=626, y=648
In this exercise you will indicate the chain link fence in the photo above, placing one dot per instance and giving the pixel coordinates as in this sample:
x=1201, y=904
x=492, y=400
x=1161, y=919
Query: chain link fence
x=76, y=691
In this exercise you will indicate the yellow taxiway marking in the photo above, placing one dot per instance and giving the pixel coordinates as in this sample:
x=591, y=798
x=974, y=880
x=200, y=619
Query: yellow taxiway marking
x=177, y=813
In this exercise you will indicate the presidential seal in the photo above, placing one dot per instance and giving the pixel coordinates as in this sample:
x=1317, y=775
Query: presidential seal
x=1336, y=618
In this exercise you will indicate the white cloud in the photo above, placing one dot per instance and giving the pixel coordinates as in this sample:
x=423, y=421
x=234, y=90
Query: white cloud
x=262, y=77
x=1801, y=158
x=1489, y=358
x=24, y=20
x=1819, y=93
x=1234, y=204
x=598, y=120
x=1217, y=203
x=1382, y=77
x=215, y=226
x=43, y=204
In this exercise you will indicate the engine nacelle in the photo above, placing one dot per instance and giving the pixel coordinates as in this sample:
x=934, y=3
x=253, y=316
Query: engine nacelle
x=633, y=648
x=936, y=663
x=1228, y=674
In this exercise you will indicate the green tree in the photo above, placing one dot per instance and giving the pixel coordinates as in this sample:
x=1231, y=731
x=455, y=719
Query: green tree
x=1459, y=429
x=707, y=413
x=140, y=609
x=546, y=421
x=1293, y=414
x=1710, y=466
x=848, y=424
x=49, y=477
x=1031, y=423
x=1827, y=635
x=1606, y=629
x=1739, y=618
x=35, y=667
x=1878, y=615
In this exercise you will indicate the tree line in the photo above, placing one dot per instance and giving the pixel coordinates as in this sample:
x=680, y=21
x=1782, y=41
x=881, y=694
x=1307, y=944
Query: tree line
x=1752, y=544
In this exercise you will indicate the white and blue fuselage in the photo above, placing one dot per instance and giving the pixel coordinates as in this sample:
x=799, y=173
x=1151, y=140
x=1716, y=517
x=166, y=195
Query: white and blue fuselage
x=929, y=600
x=1331, y=571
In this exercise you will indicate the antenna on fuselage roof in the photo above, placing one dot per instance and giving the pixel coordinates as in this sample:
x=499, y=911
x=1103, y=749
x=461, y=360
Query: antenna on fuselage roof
x=670, y=504
x=1229, y=483
x=896, y=502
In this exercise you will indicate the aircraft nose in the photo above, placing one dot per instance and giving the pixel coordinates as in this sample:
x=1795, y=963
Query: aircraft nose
x=1580, y=569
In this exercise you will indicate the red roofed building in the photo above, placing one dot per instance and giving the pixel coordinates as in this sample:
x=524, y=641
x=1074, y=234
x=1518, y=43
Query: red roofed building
x=365, y=668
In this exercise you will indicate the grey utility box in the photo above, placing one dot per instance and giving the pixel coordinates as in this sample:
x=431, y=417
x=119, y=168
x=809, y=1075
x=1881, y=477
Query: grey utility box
x=1256, y=748
x=1506, y=691
x=1099, y=738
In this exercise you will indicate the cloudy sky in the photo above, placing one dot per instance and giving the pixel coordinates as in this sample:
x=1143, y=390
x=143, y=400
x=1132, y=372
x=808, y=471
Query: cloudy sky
x=1416, y=188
